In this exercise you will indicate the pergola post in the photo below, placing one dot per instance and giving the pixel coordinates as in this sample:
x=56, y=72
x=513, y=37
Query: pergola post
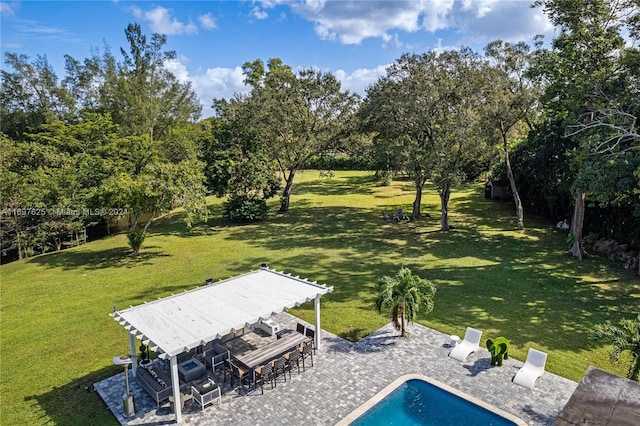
x=317, y=312
x=175, y=382
x=134, y=354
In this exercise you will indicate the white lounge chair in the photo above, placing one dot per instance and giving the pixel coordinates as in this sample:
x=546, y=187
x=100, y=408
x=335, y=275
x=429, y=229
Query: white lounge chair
x=470, y=343
x=532, y=369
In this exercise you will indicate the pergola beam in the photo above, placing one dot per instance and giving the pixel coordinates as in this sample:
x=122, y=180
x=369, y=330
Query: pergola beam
x=316, y=310
x=175, y=382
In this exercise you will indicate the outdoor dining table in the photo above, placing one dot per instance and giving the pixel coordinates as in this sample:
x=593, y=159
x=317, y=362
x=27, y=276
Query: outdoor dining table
x=272, y=350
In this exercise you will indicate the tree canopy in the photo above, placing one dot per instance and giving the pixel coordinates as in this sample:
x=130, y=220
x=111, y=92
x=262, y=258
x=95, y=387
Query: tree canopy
x=124, y=134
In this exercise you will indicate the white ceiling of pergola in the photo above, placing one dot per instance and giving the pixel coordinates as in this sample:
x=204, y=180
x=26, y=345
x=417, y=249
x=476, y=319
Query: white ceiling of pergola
x=181, y=322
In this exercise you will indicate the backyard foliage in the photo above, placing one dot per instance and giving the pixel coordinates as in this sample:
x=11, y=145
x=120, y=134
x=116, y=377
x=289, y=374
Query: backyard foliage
x=107, y=142
x=589, y=70
x=489, y=276
x=112, y=135
x=424, y=115
x=624, y=338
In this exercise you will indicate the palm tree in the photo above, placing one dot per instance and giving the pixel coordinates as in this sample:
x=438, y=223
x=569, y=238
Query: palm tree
x=624, y=338
x=405, y=294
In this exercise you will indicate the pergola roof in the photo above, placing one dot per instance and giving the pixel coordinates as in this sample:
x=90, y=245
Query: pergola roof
x=181, y=322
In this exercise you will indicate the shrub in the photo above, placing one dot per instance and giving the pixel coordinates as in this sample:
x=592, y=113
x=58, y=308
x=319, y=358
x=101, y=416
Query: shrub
x=136, y=238
x=339, y=162
x=245, y=208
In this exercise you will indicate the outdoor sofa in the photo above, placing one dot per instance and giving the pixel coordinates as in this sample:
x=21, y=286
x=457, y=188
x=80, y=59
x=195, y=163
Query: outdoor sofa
x=155, y=381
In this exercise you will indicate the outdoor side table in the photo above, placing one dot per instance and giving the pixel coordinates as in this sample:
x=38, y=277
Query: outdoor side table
x=454, y=340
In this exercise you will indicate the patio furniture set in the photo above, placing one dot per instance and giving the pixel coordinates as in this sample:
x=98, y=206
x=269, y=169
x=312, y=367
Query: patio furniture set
x=273, y=360
x=256, y=367
x=526, y=376
x=398, y=217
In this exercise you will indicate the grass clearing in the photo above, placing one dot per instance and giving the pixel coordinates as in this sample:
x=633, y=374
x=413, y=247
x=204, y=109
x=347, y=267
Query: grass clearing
x=57, y=337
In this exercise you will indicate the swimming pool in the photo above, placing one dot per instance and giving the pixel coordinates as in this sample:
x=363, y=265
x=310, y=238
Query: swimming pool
x=419, y=400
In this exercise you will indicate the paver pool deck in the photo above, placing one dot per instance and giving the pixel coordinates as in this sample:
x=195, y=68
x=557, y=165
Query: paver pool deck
x=345, y=375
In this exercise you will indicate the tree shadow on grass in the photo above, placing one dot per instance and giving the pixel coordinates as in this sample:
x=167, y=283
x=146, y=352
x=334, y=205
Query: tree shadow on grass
x=515, y=283
x=118, y=257
x=76, y=402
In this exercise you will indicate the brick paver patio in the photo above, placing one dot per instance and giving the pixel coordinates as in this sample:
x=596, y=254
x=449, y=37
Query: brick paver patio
x=346, y=374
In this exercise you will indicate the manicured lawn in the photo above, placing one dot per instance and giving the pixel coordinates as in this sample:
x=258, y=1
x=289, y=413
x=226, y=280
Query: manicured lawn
x=58, y=339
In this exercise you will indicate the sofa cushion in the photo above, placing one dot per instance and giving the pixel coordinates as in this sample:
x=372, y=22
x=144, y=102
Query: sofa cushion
x=155, y=378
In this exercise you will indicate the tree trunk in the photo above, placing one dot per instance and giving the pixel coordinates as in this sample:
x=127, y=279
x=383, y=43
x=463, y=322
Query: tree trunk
x=286, y=194
x=576, y=226
x=403, y=331
x=19, y=244
x=418, y=200
x=512, y=182
x=444, y=207
x=394, y=317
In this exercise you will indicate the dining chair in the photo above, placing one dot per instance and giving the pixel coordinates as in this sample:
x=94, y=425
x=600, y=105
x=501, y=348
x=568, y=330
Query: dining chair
x=263, y=373
x=292, y=358
x=306, y=352
x=280, y=365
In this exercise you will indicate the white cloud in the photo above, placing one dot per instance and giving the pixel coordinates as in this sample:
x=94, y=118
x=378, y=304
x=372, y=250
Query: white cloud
x=177, y=68
x=213, y=83
x=436, y=16
x=224, y=83
x=161, y=21
x=508, y=20
x=9, y=8
x=207, y=21
x=258, y=13
x=391, y=42
x=360, y=79
x=439, y=47
x=479, y=7
x=351, y=21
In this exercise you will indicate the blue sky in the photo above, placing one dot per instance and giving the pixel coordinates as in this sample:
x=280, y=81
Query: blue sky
x=355, y=40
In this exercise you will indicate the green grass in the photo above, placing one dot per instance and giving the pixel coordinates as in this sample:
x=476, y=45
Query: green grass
x=58, y=339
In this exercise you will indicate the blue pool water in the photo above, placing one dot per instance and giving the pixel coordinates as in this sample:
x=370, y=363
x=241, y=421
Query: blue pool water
x=416, y=402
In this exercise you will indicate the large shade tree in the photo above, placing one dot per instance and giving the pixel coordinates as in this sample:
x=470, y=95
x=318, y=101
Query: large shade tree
x=424, y=115
x=404, y=111
x=236, y=163
x=406, y=295
x=149, y=102
x=296, y=115
x=463, y=81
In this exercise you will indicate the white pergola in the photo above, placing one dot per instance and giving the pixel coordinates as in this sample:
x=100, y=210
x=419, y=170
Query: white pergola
x=181, y=322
